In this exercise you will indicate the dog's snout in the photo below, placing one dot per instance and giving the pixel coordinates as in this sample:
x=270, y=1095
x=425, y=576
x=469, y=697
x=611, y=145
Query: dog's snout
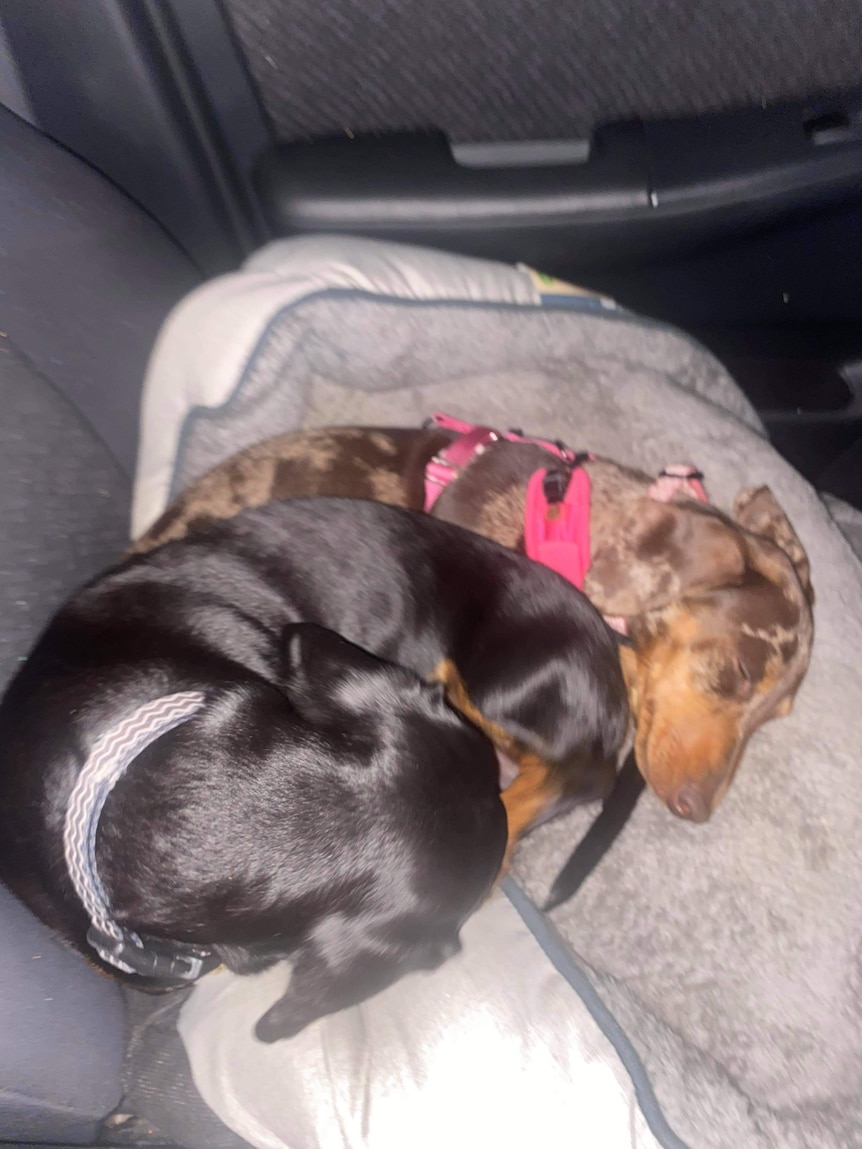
x=689, y=803
x=450, y=948
x=434, y=956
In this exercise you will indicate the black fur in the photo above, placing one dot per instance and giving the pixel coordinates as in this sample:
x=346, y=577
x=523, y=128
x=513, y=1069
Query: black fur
x=327, y=804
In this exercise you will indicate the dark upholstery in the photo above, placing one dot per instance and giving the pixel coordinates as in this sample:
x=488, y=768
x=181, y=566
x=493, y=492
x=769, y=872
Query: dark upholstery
x=535, y=69
x=63, y=516
x=63, y=504
x=86, y=279
x=159, y=1090
x=62, y=1030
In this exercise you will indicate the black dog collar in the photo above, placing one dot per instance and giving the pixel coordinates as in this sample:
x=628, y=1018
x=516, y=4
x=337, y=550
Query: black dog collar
x=152, y=957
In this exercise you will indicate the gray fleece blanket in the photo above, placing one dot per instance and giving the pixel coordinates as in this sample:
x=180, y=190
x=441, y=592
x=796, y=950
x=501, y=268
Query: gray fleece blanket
x=730, y=952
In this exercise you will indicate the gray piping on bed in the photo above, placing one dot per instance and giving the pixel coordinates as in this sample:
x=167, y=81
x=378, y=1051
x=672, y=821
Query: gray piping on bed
x=585, y=304
x=560, y=956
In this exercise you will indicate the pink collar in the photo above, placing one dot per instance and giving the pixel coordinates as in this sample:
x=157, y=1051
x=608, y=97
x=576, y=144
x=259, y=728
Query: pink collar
x=556, y=522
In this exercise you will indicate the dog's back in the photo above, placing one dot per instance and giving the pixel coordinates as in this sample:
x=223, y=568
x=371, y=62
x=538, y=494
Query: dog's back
x=386, y=464
x=305, y=731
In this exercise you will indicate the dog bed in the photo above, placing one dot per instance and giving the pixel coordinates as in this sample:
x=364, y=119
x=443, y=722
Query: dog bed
x=730, y=954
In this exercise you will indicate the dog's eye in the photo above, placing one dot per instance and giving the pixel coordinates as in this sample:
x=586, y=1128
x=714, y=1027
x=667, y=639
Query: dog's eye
x=745, y=683
x=735, y=680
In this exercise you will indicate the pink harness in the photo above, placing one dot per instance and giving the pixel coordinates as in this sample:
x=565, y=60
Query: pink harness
x=472, y=441
x=556, y=522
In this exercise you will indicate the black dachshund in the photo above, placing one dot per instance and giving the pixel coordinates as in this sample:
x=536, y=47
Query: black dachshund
x=334, y=795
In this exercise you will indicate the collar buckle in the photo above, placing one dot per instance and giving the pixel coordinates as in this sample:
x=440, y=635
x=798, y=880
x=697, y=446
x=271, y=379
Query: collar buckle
x=152, y=958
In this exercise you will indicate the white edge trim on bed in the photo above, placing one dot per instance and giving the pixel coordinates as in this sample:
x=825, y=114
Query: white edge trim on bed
x=206, y=341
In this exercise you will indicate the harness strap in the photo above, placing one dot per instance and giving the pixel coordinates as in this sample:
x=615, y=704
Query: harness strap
x=557, y=530
x=472, y=441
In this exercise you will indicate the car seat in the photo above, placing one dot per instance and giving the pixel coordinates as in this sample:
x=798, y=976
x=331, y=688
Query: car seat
x=85, y=280
x=158, y=99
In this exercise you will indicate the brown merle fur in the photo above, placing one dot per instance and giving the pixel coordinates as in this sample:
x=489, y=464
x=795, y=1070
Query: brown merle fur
x=718, y=607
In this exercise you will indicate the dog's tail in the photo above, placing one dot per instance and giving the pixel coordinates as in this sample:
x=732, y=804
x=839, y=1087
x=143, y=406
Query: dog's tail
x=605, y=830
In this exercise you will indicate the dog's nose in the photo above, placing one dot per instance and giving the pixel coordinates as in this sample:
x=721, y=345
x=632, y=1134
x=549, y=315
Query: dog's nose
x=449, y=949
x=435, y=955
x=689, y=803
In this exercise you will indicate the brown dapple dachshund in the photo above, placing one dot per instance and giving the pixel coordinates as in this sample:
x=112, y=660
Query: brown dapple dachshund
x=718, y=608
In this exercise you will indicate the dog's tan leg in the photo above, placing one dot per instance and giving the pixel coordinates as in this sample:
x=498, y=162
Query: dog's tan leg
x=533, y=790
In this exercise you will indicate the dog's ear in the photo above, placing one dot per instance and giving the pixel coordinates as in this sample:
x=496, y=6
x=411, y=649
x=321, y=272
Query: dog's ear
x=659, y=553
x=757, y=510
x=313, y=654
x=324, y=674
